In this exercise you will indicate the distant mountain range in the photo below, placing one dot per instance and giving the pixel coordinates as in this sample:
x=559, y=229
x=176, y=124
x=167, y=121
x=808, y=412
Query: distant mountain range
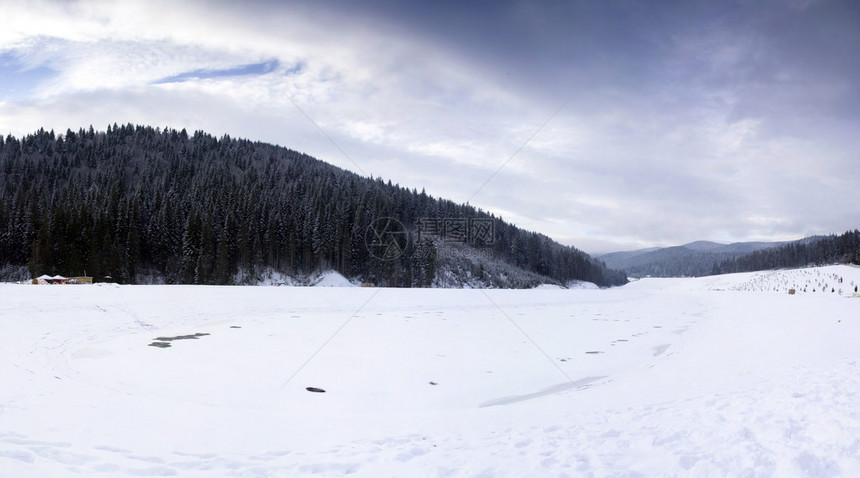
x=694, y=259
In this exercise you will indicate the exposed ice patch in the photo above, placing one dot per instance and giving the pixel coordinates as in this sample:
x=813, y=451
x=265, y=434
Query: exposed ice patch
x=577, y=384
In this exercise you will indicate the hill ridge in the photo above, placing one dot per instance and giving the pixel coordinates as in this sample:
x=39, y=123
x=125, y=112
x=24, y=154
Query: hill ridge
x=700, y=258
x=137, y=201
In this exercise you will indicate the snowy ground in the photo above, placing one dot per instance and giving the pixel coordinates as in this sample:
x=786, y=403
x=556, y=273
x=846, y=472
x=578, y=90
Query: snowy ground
x=660, y=377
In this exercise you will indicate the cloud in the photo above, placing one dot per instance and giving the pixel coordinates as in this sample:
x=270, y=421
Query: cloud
x=704, y=120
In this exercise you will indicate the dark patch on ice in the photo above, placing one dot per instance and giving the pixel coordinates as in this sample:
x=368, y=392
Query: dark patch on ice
x=594, y=352
x=580, y=384
x=433, y=383
x=315, y=389
x=164, y=342
x=235, y=326
x=182, y=337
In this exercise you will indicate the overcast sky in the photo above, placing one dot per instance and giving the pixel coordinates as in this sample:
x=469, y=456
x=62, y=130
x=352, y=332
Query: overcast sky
x=607, y=125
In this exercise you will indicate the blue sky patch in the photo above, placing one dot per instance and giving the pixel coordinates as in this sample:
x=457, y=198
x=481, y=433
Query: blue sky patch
x=17, y=80
x=250, y=69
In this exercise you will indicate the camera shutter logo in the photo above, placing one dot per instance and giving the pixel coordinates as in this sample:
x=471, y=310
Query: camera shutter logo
x=386, y=238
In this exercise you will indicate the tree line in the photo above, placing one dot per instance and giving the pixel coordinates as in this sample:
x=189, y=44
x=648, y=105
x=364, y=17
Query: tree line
x=813, y=251
x=137, y=203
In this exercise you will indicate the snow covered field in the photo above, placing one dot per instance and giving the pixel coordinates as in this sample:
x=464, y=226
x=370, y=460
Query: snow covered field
x=718, y=376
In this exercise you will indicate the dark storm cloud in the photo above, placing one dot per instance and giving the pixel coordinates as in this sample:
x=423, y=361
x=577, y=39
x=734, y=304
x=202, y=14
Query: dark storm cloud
x=773, y=54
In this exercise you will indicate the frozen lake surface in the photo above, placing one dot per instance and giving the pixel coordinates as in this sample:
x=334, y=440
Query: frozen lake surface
x=718, y=376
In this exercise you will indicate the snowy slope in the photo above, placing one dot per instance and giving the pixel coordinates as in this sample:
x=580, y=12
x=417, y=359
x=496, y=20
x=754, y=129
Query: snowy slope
x=660, y=377
x=331, y=279
x=318, y=279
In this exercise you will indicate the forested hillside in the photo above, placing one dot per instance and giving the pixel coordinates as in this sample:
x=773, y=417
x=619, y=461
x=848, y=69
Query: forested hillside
x=138, y=203
x=691, y=260
x=708, y=258
x=842, y=249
